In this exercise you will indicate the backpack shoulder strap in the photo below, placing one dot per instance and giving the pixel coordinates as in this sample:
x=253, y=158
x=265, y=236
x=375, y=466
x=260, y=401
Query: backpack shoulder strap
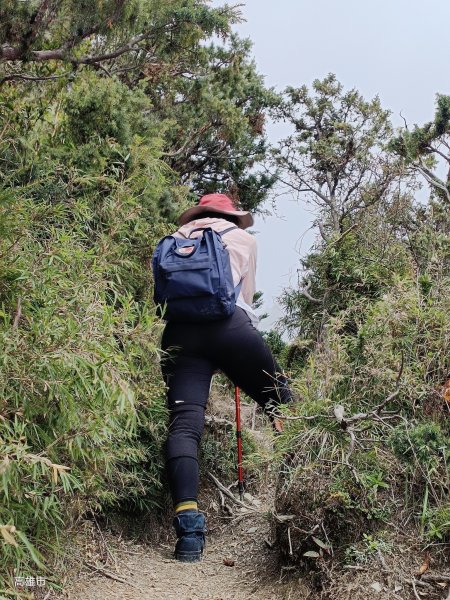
x=237, y=289
x=187, y=237
x=198, y=229
x=221, y=233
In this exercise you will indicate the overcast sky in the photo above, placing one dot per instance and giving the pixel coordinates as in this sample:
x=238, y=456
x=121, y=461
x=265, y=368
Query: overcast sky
x=396, y=49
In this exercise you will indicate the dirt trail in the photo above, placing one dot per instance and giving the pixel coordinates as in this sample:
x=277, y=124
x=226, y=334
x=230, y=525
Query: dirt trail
x=238, y=564
x=239, y=561
x=131, y=558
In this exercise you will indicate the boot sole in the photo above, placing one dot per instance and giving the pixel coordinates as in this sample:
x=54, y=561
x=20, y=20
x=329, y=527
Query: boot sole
x=189, y=556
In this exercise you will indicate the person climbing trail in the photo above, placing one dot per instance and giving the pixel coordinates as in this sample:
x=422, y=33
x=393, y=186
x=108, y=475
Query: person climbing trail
x=204, y=333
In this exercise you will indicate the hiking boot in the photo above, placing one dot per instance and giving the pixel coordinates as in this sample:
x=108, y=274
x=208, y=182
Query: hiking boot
x=190, y=528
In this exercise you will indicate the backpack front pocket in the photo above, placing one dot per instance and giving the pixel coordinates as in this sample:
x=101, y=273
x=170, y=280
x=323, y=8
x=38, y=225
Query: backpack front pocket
x=199, y=282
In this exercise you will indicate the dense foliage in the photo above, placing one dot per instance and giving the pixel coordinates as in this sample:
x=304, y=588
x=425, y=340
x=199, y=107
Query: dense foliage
x=97, y=158
x=114, y=116
x=372, y=319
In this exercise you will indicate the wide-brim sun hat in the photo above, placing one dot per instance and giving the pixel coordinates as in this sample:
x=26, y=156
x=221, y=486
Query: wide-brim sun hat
x=220, y=204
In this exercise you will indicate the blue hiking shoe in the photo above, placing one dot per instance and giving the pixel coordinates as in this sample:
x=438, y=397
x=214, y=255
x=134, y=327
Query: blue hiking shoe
x=190, y=528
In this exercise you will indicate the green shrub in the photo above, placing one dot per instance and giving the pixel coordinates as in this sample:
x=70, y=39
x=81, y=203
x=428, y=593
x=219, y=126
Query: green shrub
x=81, y=397
x=399, y=451
x=424, y=443
x=437, y=522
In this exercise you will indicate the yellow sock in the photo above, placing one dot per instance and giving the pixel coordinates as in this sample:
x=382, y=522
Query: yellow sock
x=186, y=505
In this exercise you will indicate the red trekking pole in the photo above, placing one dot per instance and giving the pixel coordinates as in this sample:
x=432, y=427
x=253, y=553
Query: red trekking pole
x=237, y=399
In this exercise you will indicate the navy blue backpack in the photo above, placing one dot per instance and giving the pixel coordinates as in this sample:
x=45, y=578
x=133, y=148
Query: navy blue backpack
x=193, y=279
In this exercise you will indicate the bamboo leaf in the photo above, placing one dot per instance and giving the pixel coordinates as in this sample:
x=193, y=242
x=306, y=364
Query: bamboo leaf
x=35, y=555
x=7, y=534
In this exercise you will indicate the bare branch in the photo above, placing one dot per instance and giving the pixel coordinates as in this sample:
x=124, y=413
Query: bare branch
x=352, y=188
x=441, y=154
x=338, y=412
x=25, y=77
x=436, y=578
x=213, y=421
x=89, y=60
x=329, y=182
x=416, y=595
x=305, y=292
x=404, y=121
x=342, y=236
x=189, y=141
x=306, y=188
x=432, y=178
x=8, y=53
x=227, y=493
x=376, y=412
x=42, y=19
x=325, y=237
x=110, y=575
x=18, y=314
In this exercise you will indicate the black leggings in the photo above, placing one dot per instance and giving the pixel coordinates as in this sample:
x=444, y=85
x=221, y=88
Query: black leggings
x=194, y=352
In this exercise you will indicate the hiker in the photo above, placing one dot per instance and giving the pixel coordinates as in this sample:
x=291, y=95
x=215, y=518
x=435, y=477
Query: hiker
x=195, y=349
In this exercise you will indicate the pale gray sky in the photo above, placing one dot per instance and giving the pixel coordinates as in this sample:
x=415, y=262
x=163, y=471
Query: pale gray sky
x=396, y=49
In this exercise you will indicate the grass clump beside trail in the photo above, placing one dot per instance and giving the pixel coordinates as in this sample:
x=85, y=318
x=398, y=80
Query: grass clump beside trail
x=367, y=450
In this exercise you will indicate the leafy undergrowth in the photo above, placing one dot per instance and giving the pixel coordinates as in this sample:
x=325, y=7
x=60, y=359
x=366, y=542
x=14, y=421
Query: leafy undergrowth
x=365, y=457
x=82, y=405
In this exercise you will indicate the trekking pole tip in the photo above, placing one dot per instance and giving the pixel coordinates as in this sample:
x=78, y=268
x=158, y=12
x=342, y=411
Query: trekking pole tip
x=241, y=490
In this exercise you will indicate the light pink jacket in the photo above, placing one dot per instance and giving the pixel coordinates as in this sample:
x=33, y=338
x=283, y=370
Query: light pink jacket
x=243, y=253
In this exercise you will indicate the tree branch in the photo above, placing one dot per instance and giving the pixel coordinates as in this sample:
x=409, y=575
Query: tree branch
x=307, y=186
x=227, y=493
x=41, y=19
x=24, y=77
x=8, y=53
x=376, y=412
x=36, y=23
x=432, y=179
x=342, y=236
x=325, y=237
x=88, y=60
x=188, y=142
x=441, y=154
x=305, y=292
